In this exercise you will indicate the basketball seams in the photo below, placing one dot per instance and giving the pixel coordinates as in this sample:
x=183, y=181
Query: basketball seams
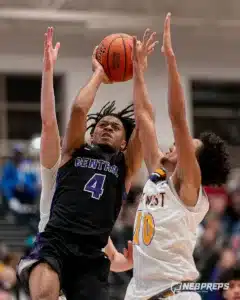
x=108, y=53
x=114, y=58
x=125, y=57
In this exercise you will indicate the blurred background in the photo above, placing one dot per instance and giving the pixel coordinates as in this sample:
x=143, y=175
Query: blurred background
x=206, y=39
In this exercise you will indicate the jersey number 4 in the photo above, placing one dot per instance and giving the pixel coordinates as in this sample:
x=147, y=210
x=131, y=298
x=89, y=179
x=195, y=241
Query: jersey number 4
x=95, y=185
x=145, y=222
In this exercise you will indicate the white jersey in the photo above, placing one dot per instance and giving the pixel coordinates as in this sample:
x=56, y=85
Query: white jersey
x=48, y=178
x=165, y=234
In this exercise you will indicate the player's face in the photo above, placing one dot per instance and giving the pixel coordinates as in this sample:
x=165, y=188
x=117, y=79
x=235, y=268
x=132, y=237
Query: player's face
x=170, y=157
x=110, y=131
x=233, y=293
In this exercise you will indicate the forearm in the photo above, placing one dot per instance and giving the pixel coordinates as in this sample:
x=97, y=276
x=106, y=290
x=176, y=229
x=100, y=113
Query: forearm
x=176, y=105
x=142, y=104
x=145, y=123
x=86, y=95
x=119, y=263
x=48, y=112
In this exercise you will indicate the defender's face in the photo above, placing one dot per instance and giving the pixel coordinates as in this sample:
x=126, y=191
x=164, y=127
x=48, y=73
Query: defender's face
x=170, y=157
x=233, y=293
x=110, y=131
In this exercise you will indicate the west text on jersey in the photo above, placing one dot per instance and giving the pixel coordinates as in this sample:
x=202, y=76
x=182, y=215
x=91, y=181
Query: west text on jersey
x=96, y=164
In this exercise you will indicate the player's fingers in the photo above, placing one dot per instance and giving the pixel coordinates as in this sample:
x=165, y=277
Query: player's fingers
x=167, y=33
x=50, y=38
x=52, y=31
x=57, y=47
x=152, y=47
x=49, y=34
x=94, y=52
x=125, y=252
x=134, y=50
x=130, y=247
x=45, y=41
x=151, y=39
x=146, y=37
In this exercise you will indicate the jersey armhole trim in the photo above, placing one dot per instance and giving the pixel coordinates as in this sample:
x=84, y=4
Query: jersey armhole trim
x=191, y=209
x=56, y=166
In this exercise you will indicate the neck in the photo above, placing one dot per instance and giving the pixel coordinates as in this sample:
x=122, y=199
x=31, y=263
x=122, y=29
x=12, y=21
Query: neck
x=107, y=148
x=169, y=167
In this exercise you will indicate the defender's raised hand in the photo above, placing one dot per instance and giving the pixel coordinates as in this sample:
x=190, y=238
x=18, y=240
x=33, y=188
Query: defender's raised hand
x=146, y=47
x=50, y=53
x=167, y=41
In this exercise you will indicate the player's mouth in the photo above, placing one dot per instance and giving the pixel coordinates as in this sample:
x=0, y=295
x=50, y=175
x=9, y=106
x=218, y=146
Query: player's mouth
x=106, y=135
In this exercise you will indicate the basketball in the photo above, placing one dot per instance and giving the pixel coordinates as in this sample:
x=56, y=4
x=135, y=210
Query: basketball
x=115, y=55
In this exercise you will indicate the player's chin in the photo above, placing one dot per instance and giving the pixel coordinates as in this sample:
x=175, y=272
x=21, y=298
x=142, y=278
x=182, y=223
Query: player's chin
x=107, y=144
x=106, y=141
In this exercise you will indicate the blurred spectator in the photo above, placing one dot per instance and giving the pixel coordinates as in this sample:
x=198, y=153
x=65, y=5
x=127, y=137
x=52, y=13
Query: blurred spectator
x=231, y=276
x=7, y=273
x=20, y=187
x=232, y=217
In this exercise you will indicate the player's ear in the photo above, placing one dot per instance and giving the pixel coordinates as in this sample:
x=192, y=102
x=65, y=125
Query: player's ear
x=91, y=138
x=123, y=145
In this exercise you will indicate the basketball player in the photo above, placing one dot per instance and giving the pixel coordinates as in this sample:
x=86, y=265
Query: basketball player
x=173, y=201
x=50, y=160
x=91, y=182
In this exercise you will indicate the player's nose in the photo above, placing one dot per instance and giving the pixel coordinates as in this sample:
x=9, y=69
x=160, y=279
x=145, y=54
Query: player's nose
x=108, y=128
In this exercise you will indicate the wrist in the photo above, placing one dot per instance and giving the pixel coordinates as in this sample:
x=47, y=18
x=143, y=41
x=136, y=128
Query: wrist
x=99, y=72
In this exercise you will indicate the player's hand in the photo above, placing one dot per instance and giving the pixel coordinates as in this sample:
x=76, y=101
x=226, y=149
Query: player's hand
x=167, y=41
x=137, y=66
x=50, y=53
x=97, y=66
x=146, y=47
x=128, y=253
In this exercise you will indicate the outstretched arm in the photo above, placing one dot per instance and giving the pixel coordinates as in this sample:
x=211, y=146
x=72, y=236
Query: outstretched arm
x=143, y=108
x=76, y=129
x=187, y=173
x=50, y=139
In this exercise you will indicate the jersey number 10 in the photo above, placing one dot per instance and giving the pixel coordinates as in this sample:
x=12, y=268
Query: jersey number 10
x=146, y=222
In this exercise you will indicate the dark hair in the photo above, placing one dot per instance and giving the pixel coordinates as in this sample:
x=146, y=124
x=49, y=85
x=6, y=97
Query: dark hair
x=213, y=159
x=229, y=275
x=109, y=109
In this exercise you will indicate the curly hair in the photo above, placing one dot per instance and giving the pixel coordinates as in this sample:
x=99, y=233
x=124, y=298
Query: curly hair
x=213, y=159
x=109, y=109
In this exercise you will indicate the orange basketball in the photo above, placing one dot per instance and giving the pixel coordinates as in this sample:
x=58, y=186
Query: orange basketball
x=115, y=55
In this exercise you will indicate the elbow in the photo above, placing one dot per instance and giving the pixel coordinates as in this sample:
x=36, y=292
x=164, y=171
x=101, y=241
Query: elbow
x=80, y=109
x=49, y=122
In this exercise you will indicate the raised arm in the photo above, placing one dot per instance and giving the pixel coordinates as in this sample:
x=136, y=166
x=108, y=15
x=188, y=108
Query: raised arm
x=76, y=129
x=143, y=107
x=187, y=174
x=50, y=139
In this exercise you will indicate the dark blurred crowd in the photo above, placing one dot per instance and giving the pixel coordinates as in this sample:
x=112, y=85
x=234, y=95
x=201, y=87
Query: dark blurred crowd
x=217, y=253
